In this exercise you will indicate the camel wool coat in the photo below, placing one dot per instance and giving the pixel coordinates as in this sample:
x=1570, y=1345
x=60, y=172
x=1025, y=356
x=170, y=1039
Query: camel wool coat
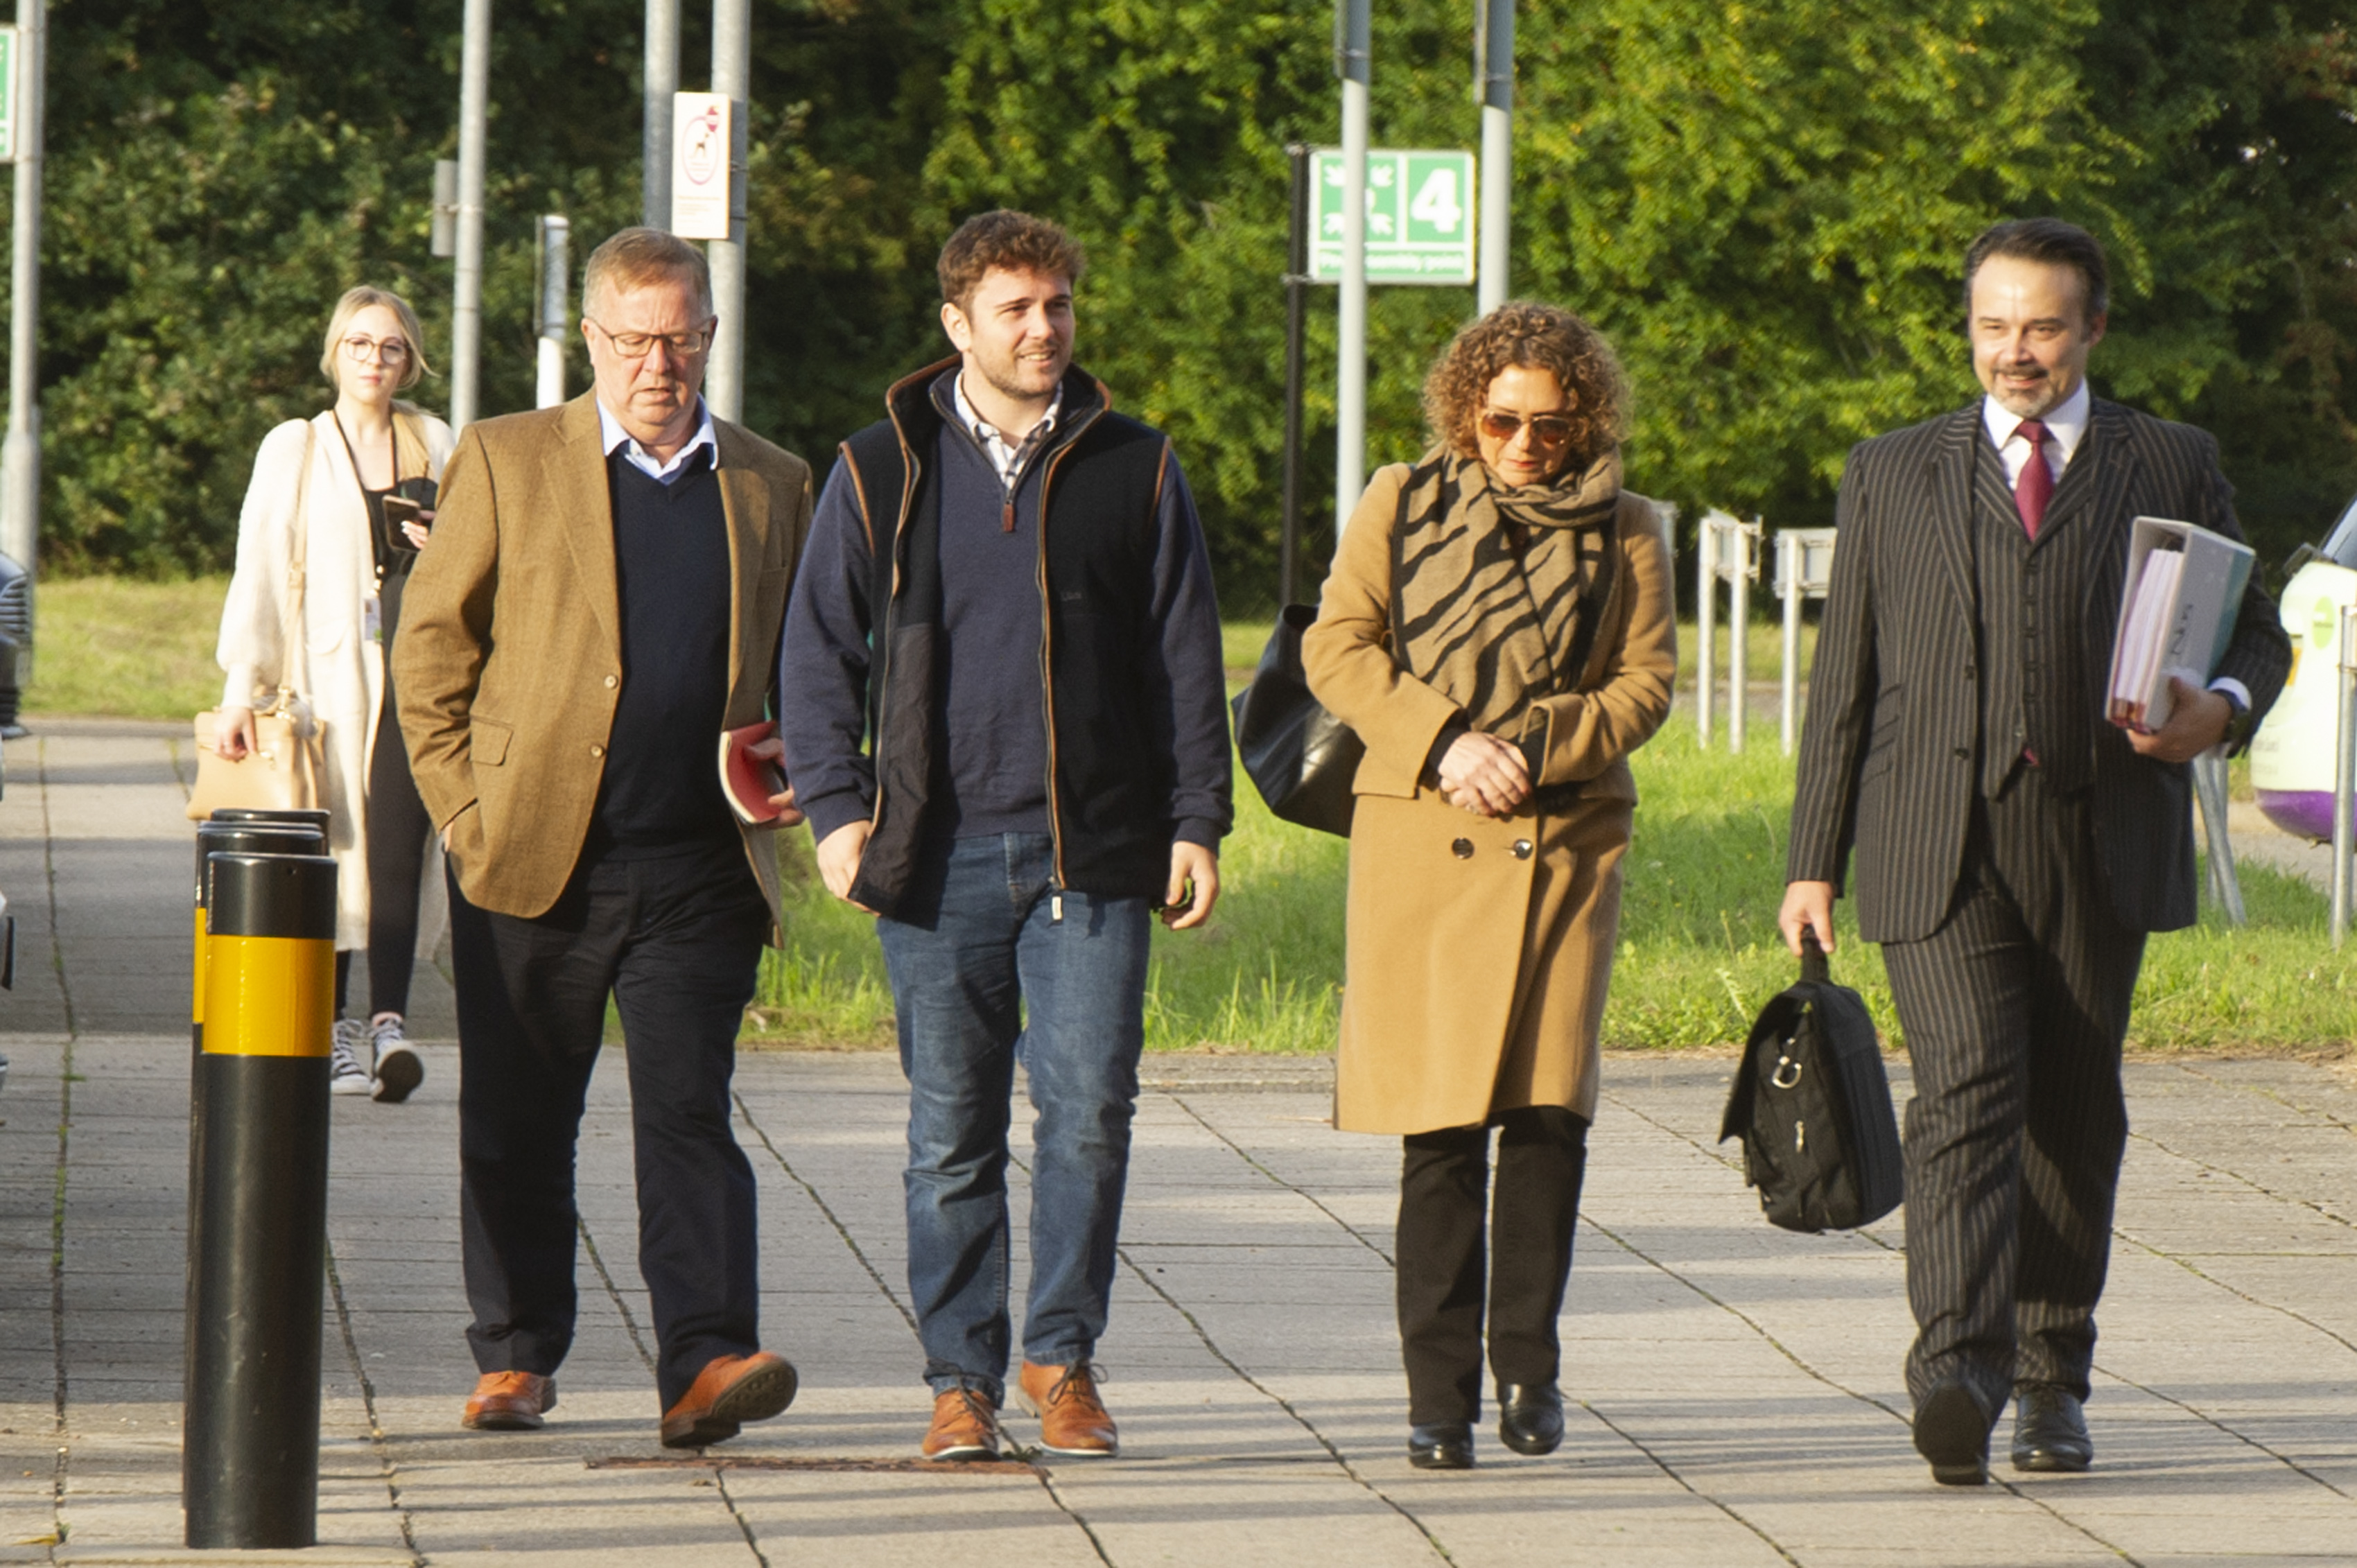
x=339, y=670
x=1480, y=948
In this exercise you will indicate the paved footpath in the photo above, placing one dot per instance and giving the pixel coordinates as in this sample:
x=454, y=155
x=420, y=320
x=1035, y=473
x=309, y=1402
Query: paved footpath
x=1737, y=1388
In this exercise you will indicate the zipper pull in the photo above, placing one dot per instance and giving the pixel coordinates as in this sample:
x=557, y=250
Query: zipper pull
x=1056, y=907
x=1007, y=519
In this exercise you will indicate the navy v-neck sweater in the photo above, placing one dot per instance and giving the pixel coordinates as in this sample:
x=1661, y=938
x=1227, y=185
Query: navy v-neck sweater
x=661, y=793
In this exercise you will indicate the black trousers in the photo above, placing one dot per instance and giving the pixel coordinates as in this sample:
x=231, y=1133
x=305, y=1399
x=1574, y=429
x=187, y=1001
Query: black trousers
x=2014, y=1011
x=397, y=829
x=1444, y=1186
x=676, y=942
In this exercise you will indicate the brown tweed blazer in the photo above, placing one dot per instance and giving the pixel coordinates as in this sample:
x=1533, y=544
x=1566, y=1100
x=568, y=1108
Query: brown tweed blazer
x=508, y=665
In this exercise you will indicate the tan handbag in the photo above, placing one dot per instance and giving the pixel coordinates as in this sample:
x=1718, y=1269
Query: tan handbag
x=281, y=771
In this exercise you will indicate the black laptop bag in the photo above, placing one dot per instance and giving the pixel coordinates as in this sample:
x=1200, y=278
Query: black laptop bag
x=1812, y=1107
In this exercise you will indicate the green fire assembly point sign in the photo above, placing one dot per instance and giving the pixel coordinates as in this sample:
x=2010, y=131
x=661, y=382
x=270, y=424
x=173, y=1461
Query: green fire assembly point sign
x=1419, y=217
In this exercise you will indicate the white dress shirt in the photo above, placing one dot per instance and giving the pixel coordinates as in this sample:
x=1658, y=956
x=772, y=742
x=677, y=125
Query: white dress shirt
x=2065, y=426
x=644, y=461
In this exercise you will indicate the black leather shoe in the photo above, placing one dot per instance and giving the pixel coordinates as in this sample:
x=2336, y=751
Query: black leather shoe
x=1530, y=1417
x=1441, y=1445
x=1952, y=1431
x=2049, y=1430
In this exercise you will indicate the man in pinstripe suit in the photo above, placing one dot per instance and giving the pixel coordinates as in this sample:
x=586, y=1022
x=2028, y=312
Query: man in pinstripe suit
x=2013, y=848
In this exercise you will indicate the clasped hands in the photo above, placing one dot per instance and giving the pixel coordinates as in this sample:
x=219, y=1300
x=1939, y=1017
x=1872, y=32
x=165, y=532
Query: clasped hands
x=1484, y=775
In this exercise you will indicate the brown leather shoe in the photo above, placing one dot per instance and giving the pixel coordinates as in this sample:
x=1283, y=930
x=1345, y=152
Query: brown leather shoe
x=965, y=1426
x=510, y=1401
x=1072, y=1420
x=728, y=1392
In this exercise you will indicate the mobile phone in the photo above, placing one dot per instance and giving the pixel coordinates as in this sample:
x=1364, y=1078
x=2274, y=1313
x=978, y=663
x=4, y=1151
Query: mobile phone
x=400, y=509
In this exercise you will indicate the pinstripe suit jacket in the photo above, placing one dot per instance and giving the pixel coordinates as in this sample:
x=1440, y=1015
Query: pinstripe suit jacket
x=1889, y=758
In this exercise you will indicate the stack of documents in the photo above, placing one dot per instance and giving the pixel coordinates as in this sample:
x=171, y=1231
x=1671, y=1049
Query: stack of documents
x=2184, y=590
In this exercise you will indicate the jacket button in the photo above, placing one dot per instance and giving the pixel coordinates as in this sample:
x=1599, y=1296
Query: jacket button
x=1462, y=849
x=1964, y=751
x=1521, y=849
x=600, y=751
x=609, y=682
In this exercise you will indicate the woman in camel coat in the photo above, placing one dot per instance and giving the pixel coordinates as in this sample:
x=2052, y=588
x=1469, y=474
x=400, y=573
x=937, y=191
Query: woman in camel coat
x=1498, y=630
x=328, y=478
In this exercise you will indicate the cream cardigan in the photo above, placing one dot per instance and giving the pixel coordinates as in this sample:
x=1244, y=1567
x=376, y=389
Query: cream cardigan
x=339, y=670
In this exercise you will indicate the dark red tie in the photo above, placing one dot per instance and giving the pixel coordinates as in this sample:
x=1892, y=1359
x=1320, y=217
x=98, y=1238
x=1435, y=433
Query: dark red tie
x=2035, y=485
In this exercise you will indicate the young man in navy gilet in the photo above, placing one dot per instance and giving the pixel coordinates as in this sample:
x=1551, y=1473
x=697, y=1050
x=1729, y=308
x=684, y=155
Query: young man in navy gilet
x=1007, y=589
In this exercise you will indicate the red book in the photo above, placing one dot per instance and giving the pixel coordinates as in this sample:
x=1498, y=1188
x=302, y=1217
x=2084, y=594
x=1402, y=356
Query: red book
x=748, y=781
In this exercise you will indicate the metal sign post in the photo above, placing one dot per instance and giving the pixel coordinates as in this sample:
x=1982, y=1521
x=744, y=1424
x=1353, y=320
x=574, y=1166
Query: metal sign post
x=1804, y=570
x=20, y=456
x=1728, y=551
x=1296, y=292
x=2345, y=776
x=732, y=51
x=467, y=285
x=1354, y=62
x=555, y=285
x=661, y=80
x=1494, y=72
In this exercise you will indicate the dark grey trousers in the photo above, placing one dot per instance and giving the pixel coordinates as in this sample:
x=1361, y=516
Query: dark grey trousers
x=2013, y=1010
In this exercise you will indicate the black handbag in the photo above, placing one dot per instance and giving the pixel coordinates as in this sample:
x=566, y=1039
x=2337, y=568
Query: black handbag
x=1812, y=1107
x=1299, y=756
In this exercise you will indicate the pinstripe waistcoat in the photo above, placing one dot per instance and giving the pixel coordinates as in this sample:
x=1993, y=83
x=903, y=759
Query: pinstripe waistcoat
x=1894, y=748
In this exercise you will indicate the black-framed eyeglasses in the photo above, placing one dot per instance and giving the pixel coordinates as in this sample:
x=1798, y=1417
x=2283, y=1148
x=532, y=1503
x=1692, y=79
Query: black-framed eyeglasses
x=634, y=345
x=1549, y=430
x=365, y=350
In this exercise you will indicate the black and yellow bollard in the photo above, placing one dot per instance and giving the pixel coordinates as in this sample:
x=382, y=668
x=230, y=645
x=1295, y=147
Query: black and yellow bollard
x=249, y=1458
x=243, y=831
x=252, y=834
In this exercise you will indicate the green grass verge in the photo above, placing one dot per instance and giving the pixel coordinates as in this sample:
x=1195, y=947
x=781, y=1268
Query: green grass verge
x=1698, y=956
x=126, y=648
x=1698, y=951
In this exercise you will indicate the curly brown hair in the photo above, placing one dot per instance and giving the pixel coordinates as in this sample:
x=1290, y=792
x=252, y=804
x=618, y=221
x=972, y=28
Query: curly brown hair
x=1014, y=240
x=1542, y=336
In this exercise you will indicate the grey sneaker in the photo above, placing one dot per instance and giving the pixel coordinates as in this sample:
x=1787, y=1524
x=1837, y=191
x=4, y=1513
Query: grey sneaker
x=399, y=1068
x=345, y=1073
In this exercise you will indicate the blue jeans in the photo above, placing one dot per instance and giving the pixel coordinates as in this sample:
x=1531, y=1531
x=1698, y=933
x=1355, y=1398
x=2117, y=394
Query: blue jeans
x=964, y=973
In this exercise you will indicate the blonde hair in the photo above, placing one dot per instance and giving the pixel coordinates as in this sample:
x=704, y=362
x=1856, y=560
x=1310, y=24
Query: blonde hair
x=634, y=258
x=356, y=300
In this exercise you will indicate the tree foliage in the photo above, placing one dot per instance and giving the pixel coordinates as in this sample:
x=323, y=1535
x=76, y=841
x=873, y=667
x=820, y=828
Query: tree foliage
x=1762, y=203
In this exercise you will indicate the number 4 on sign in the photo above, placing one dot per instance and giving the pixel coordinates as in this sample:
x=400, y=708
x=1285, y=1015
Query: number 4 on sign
x=1436, y=201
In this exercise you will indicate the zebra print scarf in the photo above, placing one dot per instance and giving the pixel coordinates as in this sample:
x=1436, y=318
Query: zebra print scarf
x=1496, y=593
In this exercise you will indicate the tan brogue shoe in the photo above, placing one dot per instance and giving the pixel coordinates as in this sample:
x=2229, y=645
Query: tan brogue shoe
x=728, y=1392
x=1072, y=1420
x=965, y=1426
x=510, y=1401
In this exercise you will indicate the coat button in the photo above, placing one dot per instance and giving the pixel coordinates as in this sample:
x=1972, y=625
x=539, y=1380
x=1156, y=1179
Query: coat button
x=609, y=682
x=1521, y=849
x=1964, y=751
x=1462, y=849
x=597, y=751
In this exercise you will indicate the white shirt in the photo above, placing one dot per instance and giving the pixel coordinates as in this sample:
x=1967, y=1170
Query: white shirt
x=1004, y=456
x=2065, y=427
x=614, y=436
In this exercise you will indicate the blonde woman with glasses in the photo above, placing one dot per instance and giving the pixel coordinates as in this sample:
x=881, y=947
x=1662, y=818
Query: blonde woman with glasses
x=354, y=487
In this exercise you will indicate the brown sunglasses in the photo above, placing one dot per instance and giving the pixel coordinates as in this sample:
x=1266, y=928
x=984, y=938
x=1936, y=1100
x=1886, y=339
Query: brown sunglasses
x=1549, y=430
